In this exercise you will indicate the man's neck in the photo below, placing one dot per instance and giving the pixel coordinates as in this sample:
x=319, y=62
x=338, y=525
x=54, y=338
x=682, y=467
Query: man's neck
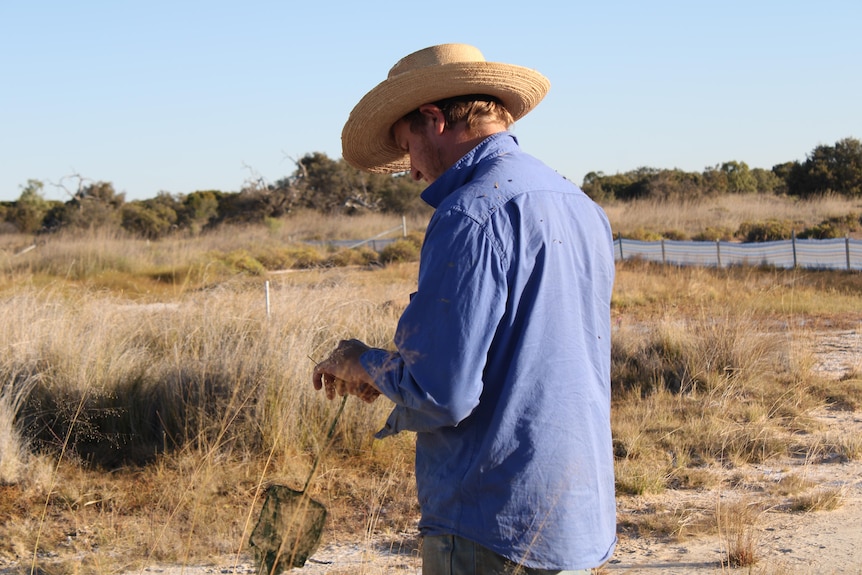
x=463, y=140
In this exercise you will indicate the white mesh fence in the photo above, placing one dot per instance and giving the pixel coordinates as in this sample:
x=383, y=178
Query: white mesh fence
x=836, y=254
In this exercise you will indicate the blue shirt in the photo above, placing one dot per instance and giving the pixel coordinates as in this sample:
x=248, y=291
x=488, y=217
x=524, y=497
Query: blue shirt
x=503, y=363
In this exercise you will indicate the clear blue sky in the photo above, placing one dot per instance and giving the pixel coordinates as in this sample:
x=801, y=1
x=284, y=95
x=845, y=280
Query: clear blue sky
x=179, y=96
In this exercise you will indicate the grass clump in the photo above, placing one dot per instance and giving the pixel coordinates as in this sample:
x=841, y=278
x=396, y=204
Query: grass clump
x=767, y=230
x=14, y=444
x=834, y=227
x=706, y=384
x=843, y=394
x=737, y=524
x=403, y=250
x=825, y=499
x=701, y=392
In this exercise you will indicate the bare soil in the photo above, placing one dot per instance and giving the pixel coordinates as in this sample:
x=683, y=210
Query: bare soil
x=784, y=541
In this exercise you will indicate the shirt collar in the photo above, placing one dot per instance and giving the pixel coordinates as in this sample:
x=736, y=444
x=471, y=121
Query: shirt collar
x=462, y=172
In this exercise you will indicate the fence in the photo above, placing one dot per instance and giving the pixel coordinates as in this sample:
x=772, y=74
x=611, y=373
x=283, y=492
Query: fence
x=376, y=243
x=834, y=254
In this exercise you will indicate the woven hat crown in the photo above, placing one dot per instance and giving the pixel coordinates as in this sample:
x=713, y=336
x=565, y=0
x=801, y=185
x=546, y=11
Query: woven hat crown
x=427, y=76
x=436, y=56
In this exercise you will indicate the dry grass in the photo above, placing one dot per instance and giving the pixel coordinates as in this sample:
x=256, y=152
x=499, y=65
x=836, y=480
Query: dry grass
x=168, y=268
x=821, y=499
x=147, y=399
x=722, y=214
x=194, y=405
x=737, y=524
x=712, y=372
x=13, y=444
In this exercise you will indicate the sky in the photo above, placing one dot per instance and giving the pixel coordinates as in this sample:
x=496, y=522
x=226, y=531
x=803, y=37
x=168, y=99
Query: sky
x=177, y=96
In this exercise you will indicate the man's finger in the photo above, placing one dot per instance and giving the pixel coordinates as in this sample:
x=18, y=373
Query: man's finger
x=329, y=384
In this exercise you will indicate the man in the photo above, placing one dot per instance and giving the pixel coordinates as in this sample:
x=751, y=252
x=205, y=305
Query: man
x=502, y=365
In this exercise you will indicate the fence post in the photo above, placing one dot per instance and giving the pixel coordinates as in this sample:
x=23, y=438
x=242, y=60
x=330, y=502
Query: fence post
x=793, y=243
x=403, y=226
x=620, y=238
x=266, y=292
x=847, y=249
x=663, y=258
x=718, y=252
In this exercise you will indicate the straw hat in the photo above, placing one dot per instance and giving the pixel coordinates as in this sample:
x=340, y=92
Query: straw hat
x=427, y=76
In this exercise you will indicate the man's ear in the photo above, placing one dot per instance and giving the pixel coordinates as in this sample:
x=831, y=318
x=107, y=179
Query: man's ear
x=434, y=116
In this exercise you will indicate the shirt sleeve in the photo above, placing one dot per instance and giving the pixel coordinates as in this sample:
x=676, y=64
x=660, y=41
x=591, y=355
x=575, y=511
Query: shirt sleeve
x=443, y=337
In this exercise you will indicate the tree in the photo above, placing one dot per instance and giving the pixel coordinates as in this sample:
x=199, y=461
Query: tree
x=151, y=219
x=767, y=181
x=626, y=186
x=829, y=169
x=736, y=178
x=254, y=203
x=199, y=209
x=398, y=194
x=784, y=173
x=30, y=209
x=739, y=178
x=93, y=205
x=675, y=184
x=327, y=185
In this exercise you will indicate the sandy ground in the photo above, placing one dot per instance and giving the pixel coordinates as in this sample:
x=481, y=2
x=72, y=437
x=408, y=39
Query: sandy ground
x=786, y=543
x=819, y=542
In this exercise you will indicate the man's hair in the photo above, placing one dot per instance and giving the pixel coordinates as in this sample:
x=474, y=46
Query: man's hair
x=474, y=109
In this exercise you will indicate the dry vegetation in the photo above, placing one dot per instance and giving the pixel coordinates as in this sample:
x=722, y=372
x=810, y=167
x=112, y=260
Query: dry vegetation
x=146, y=398
x=725, y=217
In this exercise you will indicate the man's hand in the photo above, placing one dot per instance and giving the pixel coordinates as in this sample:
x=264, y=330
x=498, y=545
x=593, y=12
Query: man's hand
x=342, y=373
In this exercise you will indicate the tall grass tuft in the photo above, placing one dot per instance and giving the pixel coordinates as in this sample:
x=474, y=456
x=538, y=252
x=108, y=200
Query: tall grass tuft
x=199, y=403
x=127, y=381
x=14, y=445
x=693, y=391
x=737, y=524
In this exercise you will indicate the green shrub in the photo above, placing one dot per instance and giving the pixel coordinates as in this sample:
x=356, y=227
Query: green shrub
x=306, y=257
x=675, y=235
x=399, y=251
x=276, y=258
x=766, y=231
x=360, y=256
x=241, y=260
x=713, y=234
x=644, y=235
x=151, y=220
x=835, y=227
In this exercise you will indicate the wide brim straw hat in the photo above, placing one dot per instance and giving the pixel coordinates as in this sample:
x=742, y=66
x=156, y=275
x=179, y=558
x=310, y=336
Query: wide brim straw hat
x=423, y=77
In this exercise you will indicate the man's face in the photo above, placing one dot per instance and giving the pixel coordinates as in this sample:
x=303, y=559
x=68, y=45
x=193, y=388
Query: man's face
x=426, y=154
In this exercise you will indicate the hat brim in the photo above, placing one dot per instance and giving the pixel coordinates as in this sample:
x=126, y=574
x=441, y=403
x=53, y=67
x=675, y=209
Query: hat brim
x=366, y=139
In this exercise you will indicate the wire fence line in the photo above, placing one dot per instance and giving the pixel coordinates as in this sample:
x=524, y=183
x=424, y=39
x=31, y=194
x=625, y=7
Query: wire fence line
x=376, y=243
x=402, y=228
x=832, y=254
